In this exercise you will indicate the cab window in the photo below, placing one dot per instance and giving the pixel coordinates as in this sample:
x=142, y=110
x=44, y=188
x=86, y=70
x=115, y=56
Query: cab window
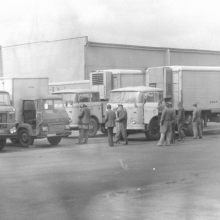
x=95, y=97
x=84, y=97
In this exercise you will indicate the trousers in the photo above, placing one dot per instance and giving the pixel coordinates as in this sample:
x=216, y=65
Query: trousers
x=83, y=134
x=197, y=128
x=180, y=130
x=121, y=133
x=110, y=136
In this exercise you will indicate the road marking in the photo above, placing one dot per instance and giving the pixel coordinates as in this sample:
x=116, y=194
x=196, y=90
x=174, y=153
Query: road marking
x=124, y=166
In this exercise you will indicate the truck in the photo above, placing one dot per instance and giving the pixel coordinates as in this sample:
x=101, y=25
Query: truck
x=143, y=108
x=96, y=96
x=37, y=114
x=7, y=119
x=74, y=99
x=189, y=85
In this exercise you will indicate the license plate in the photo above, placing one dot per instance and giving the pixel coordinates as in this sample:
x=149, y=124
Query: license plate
x=51, y=135
x=1, y=131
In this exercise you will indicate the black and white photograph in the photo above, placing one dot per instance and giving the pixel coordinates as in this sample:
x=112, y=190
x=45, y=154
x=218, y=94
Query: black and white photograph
x=109, y=110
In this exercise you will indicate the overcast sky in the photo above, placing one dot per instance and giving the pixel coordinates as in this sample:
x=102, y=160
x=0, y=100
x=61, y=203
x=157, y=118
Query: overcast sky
x=192, y=24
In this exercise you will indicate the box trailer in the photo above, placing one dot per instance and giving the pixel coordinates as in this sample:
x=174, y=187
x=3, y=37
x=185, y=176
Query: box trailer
x=189, y=85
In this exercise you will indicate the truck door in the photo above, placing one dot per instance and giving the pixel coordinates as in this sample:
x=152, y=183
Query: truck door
x=29, y=112
x=150, y=106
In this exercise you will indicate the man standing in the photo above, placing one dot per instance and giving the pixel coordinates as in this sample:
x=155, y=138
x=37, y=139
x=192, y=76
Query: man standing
x=110, y=124
x=84, y=125
x=173, y=125
x=181, y=122
x=122, y=119
x=197, y=122
x=167, y=118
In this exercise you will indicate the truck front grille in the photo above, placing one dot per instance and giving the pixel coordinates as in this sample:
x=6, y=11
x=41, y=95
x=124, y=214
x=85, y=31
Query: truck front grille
x=3, y=119
x=97, y=78
x=56, y=128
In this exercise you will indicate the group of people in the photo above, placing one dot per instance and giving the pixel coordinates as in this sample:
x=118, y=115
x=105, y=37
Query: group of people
x=169, y=121
x=113, y=119
x=118, y=119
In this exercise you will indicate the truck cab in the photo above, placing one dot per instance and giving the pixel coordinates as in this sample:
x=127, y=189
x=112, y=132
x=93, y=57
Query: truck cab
x=73, y=100
x=142, y=106
x=42, y=117
x=7, y=119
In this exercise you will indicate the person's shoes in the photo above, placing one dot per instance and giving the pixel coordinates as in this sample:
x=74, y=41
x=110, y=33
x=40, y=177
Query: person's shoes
x=125, y=143
x=159, y=144
x=195, y=138
x=179, y=139
x=117, y=142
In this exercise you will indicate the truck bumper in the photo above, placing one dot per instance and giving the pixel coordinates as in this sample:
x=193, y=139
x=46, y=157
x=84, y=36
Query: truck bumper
x=74, y=127
x=5, y=136
x=57, y=134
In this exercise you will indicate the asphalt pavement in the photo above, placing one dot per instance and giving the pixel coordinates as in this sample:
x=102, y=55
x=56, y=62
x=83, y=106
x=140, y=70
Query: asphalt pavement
x=94, y=181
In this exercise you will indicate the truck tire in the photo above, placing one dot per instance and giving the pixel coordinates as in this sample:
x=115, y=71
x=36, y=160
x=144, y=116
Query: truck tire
x=154, y=131
x=2, y=143
x=24, y=138
x=54, y=140
x=93, y=127
x=189, y=128
x=14, y=140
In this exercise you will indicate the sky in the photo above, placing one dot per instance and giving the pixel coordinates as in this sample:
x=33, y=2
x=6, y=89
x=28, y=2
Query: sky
x=191, y=24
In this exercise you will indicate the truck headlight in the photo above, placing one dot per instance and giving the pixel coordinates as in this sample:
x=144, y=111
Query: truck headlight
x=67, y=127
x=44, y=128
x=13, y=130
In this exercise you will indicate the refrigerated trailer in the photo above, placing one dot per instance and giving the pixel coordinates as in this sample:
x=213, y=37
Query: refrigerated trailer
x=106, y=80
x=189, y=85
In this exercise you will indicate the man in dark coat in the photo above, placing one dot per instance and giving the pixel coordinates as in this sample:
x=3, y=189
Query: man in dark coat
x=122, y=119
x=84, y=117
x=197, y=122
x=181, y=122
x=166, y=121
x=110, y=124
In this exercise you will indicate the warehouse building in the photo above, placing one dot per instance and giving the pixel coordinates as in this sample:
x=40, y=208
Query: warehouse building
x=73, y=59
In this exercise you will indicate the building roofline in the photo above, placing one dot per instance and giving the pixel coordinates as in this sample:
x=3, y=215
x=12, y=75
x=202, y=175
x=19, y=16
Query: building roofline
x=127, y=46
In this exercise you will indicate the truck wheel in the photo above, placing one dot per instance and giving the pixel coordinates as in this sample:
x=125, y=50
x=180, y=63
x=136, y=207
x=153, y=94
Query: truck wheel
x=154, y=131
x=2, y=143
x=24, y=138
x=189, y=128
x=54, y=140
x=93, y=127
x=14, y=140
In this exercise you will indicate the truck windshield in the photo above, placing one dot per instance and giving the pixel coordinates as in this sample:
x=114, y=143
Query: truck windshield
x=52, y=106
x=69, y=99
x=4, y=99
x=116, y=97
x=153, y=97
x=133, y=97
x=126, y=97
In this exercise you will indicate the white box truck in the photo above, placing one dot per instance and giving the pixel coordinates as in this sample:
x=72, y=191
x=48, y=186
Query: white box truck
x=189, y=84
x=37, y=115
